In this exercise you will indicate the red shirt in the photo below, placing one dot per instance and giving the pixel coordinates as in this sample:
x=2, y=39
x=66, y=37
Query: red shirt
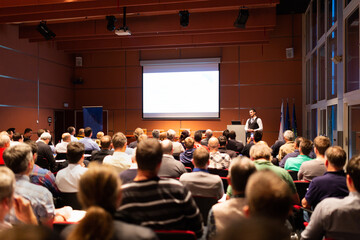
x=1, y=158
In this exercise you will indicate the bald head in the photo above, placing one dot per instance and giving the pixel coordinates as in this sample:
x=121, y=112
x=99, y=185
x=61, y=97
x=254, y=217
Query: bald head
x=167, y=146
x=213, y=143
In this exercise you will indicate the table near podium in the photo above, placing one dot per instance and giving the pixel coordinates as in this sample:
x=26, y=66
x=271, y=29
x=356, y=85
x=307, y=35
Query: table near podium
x=240, y=132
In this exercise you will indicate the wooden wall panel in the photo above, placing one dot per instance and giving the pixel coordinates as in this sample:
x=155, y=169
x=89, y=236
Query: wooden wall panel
x=159, y=54
x=229, y=73
x=229, y=97
x=62, y=78
x=134, y=76
x=102, y=77
x=18, y=93
x=108, y=98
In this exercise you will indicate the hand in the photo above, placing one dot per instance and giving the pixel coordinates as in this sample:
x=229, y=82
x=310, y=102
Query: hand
x=23, y=210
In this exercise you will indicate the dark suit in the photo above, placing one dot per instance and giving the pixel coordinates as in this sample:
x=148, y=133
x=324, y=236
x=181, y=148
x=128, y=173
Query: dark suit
x=246, y=149
x=45, y=158
x=231, y=153
x=99, y=155
x=234, y=145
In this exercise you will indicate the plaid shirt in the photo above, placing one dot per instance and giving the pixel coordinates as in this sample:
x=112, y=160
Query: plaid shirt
x=219, y=160
x=45, y=178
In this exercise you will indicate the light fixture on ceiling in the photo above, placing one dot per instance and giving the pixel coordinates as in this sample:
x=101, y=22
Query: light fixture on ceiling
x=124, y=30
x=111, y=23
x=242, y=18
x=45, y=31
x=184, y=18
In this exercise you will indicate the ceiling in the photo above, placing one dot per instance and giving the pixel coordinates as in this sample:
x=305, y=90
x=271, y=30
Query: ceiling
x=80, y=25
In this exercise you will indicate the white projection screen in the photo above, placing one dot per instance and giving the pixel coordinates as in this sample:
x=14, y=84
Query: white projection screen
x=181, y=89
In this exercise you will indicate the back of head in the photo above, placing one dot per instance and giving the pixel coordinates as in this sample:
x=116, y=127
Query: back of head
x=167, y=146
x=163, y=136
x=170, y=134
x=17, y=158
x=75, y=151
x=156, y=133
x=353, y=169
x=222, y=141
x=99, y=135
x=138, y=132
x=27, y=130
x=7, y=183
x=4, y=140
x=105, y=142
x=268, y=196
x=257, y=136
x=322, y=144
x=226, y=133
x=189, y=143
x=119, y=140
x=336, y=157
x=66, y=137
x=240, y=170
x=87, y=131
x=201, y=157
x=306, y=146
x=71, y=130
x=142, y=137
x=260, y=151
x=298, y=140
x=81, y=132
x=184, y=134
x=198, y=136
x=17, y=136
x=208, y=133
x=33, y=145
x=40, y=131
x=45, y=136
x=213, y=143
x=148, y=154
x=232, y=135
x=289, y=135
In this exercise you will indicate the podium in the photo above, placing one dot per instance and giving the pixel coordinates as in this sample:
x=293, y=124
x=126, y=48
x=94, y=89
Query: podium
x=240, y=132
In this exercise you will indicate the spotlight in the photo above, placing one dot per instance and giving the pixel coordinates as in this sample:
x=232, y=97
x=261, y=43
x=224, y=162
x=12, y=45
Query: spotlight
x=242, y=18
x=111, y=23
x=184, y=18
x=45, y=31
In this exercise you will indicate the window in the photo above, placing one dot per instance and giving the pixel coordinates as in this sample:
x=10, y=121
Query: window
x=332, y=122
x=354, y=130
x=313, y=125
x=321, y=18
x=308, y=124
x=307, y=31
x=322, y=72
x=314, y=23
x=347, y=2
x=308, y=82
x=332, y=12
x=322, y=122
x=352, y=52
x=314, y=78
x=331, y=66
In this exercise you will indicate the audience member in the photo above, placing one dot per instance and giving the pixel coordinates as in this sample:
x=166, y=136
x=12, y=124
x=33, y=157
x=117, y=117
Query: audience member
x=89, y=144
x=156, y=134
x=305, y=148
x=217, y=160
x=99, y=135
x=223, y=149
x=105, y=143
x=184, y=134
x=81, y=134
x=10, y=132
x=27, y=134
x=163, y=136
x=154, y=202
x=332, y=183
x=177, y=147
x=169, y=166
x=200, y=182
x=67, y=179
x=187, y=156
x=250, y=142
x=288, y=146
x=98, y=222
x=39, y=132
x=4, y=144
x=233, y=144
x=137, y=133
x=17, y=138
x=71, y=130
x=310, y=169
x=61, y=147
x=197, y=138
x=208, y=135
x=296, y=152
x=119, y=160
x=223, y=214
x=45, y=157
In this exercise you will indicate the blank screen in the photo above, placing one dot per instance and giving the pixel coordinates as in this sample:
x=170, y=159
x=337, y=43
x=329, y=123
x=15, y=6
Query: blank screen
x=180, y=90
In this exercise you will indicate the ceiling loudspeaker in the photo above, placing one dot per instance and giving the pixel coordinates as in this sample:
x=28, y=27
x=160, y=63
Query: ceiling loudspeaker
x=242, y=18
x=43, y=29
x=289, y=52
x=184, y=18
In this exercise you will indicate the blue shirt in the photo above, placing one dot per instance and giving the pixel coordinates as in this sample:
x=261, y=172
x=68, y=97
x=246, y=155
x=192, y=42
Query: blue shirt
x=90, y=145
x=200, y=170
x=331, y=184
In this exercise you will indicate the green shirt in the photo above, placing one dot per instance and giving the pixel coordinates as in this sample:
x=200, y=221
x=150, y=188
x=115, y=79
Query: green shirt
x=294, y=163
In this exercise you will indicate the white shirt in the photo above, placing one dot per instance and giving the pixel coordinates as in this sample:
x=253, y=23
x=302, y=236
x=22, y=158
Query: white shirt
x=61, y=147
x=73, y=139
x=178, y=148
x=67, y=179
x=259, y=122
x=119, y=160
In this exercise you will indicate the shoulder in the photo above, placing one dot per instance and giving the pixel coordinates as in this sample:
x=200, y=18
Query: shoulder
x=132, y=232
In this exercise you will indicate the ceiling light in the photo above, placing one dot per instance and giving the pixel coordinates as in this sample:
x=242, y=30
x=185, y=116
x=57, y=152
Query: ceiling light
x=45, y=31
x=242, y=18
x=124, y=30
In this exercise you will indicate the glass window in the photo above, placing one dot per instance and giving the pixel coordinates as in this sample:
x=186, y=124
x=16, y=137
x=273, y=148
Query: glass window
x=322, y=72
x=321, y=18
x=308, y=82
x=314, y=126
x=332, y=14
x=332, y=123
x=354, y=130
x=314, y=78
x=314, y=23
x=307, y=31
x=331, y=66
x=352, y=51
x=347, y=2
x=322, y=122
x=308, y=123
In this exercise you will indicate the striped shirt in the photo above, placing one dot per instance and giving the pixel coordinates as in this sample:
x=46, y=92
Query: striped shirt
x=160, y=204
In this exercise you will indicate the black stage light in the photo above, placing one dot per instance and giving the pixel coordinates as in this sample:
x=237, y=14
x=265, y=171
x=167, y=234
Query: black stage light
x=184, y=18
x=242, y=18
x=45, y=31
x=111, y=23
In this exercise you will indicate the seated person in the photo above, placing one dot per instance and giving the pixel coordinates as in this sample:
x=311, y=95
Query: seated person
x=61, y=147
x=89, y=144
x=335, y=218
x=223, y=148
x=294, y=164
x=137, y=133
x=187, y=156
x=157, y=203
x=98, y=222
x=200, y=182
x=45, y=158
x=232, y=143
x=251, y=142
x=217, y=160
x=332, y=183
x=169, y=166
x=288, y=146
x=105, y=145
x=177, y=147
x=67, y=179
x=119, y=160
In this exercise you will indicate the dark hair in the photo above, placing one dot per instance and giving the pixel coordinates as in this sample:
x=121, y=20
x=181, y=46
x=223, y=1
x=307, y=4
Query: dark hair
x=257, y=136
x=226, y=133
x=201, y=157
x=40, y=131
x=322, y=144
x=33, y=145
x=184, y=134
x=87, y=131
x=306, y=146
x=17, y=157
x=27, y=130
x=232, y=134
x=17, y=136
x=119, y=140
x=70, y=129
x=336, y=156
x=240, y=170
x=105, y=142
x=298, y=140
x=10, y=130
x=252, y=109
x=75, y=151
x=222, y=140
x=148, y=154
x=353, y=169
x=198, y=135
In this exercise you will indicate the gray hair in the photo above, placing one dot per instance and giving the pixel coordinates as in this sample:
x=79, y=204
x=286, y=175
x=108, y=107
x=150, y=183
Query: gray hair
x=213, y=143
x=167, y=146
x=7, y=183
x=17, y=157
x=170, y=134
x=156, y=133
x=208, y=133
x=260, y=150
x=289, y=135
x=45, y=136
x=4, y=139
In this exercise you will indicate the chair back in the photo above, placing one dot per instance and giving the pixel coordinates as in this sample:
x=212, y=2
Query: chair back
x=225, y=183
x=60, y=156
x=204, y=204
x=70, y=199
x=188, y=169
x=301, y=187
x=293, y=174
x=175, y=235
x=220, y=172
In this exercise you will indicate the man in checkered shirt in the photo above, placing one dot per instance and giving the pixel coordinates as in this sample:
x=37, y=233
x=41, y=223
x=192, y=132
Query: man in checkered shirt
x=217, y=160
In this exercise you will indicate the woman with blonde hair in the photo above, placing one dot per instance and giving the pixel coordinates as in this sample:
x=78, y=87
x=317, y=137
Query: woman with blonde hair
x=100, y=195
